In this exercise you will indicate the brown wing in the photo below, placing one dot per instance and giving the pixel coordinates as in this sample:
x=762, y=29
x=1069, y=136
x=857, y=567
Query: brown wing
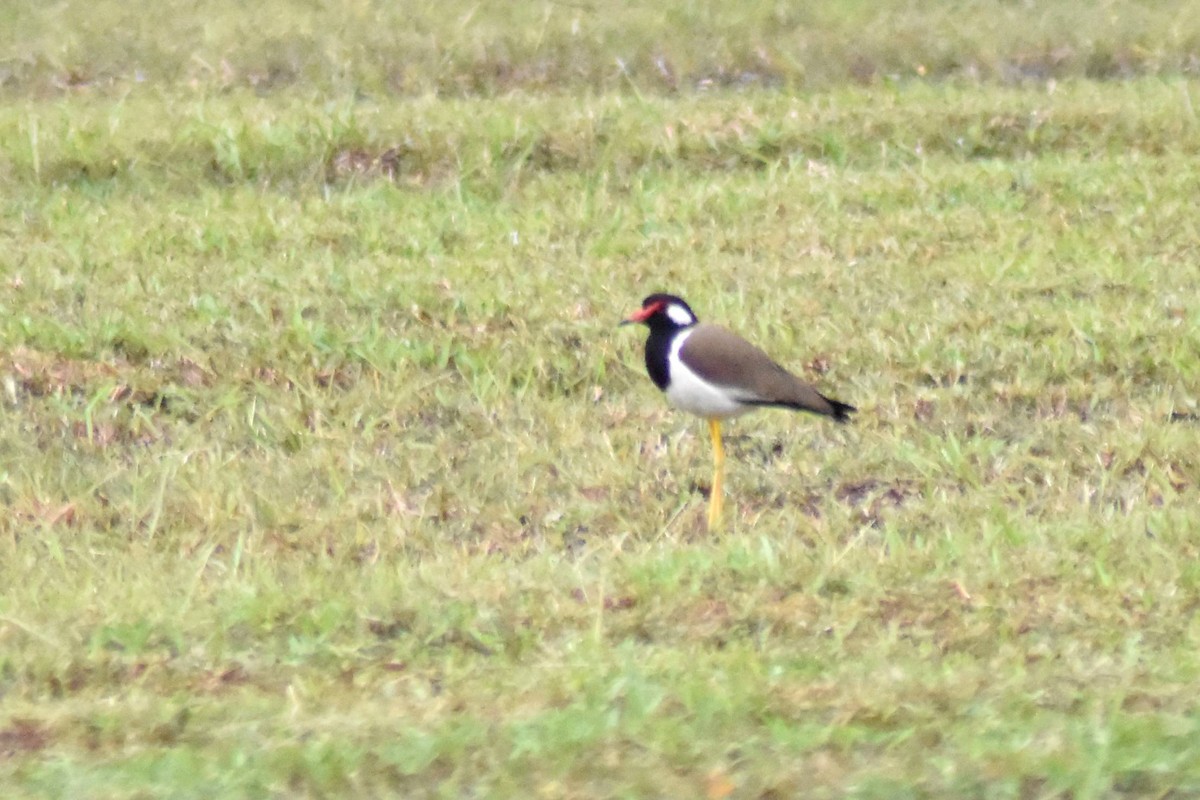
x=726, y=359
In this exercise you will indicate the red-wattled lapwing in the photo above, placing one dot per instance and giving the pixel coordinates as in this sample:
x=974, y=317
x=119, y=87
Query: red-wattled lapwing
x=715, y=374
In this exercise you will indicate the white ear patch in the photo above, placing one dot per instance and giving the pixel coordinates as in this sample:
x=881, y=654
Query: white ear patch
x=680, y=315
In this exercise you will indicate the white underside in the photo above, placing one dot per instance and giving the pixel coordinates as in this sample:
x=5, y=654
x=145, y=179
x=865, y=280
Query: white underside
x=687, y=391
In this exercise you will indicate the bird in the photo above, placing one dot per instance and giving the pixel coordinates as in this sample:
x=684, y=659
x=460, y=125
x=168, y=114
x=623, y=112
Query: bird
x=715, y=374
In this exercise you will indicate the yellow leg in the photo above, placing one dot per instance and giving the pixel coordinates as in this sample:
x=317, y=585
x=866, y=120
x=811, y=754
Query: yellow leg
x=715, y=496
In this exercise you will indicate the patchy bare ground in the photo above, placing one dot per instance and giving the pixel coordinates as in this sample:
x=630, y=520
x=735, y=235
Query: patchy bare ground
x=327, y=471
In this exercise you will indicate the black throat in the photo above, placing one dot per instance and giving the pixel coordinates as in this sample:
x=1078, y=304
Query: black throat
x=658, y=351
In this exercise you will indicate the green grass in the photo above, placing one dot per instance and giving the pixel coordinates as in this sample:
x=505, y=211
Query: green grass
x=473, y=48
x=327, y=472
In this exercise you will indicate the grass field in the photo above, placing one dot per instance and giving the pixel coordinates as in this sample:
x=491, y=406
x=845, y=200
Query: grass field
x=327, y=472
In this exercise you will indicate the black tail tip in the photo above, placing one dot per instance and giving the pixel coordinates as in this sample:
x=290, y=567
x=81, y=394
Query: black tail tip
x=841, y=411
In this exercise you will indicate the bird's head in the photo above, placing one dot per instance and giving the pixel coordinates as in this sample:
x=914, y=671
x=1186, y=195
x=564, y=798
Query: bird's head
x=663, y=312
